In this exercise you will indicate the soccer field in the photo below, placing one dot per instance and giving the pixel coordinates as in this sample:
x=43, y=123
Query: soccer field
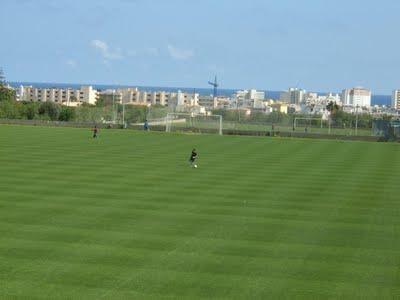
x=124, y=216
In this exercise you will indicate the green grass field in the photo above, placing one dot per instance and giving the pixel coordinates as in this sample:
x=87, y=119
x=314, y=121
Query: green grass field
x=125, y=217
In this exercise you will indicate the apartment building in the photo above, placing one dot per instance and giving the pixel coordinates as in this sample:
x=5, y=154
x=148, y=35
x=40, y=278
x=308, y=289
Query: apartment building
x=163, y=98
x=293, y=96
x=280, y=107
x=67, y=96
x=211, y=102
x=208, y=102
x=357, y=96
x=248, y=98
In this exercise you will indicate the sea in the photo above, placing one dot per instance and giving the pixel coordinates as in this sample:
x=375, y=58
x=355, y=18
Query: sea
x=270, y=94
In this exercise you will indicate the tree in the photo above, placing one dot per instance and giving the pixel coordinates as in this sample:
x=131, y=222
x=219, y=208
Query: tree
x=332, y=107
x=278, y=117
x=67, y=114
x=258, y=116
x=9, y=110
x=135, y=113
x=29, y=110
x=49, y=109
x=337, y=115
x=101, y=101
x=6, y=93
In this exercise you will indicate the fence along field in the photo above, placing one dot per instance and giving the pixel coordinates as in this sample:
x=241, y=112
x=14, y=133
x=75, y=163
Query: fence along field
x=310, y=124
x=116, y=114
x=124, y=216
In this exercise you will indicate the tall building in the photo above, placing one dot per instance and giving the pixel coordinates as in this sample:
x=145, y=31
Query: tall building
x=396, y=99
x=68, y=96
x=357, y=96
x=250, y=95
x=248, y=98
x=293, y=96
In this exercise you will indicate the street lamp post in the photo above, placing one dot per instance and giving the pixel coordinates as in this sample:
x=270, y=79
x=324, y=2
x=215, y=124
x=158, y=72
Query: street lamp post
x=330, y=124
x=123, y=115
x=237, y=109
x=113, y=101
x=357, y=119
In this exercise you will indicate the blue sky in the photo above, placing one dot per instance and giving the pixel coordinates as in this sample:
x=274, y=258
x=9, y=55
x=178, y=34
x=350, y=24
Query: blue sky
x=319, y=45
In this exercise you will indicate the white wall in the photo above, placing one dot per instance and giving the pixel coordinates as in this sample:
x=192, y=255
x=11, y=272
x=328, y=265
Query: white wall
x=396, y=99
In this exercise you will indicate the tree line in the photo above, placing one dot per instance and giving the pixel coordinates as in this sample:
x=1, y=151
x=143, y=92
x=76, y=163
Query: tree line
x=50, y=111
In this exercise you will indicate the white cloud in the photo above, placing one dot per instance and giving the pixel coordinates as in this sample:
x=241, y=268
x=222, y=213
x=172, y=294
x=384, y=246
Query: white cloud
x=180, y=54
x=71, y=63
x=105, y=50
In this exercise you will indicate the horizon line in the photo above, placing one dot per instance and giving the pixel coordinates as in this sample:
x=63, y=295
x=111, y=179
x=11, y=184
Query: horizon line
x=168, y=87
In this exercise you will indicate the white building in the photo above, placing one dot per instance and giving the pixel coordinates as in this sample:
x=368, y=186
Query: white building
x=276, y=106
x=67, y=96
x=396, y=99
x=208, y=102
x=256, y=95
x=315, y=99
x=181, y=100
x=249, y=98
x=311, y=97
x=331, y=98
x=293, y=96
x=135, y=96
x=211, y=102
x=357, y=96
x=250, y=95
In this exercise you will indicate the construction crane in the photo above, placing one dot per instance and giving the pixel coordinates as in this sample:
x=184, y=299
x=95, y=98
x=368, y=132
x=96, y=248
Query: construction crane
x=215, y=85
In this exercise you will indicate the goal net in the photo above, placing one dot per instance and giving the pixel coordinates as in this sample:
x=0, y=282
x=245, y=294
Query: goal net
x=190, y=122
x=311, y=125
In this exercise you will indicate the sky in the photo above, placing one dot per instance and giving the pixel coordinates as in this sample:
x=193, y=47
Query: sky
x=318, y=45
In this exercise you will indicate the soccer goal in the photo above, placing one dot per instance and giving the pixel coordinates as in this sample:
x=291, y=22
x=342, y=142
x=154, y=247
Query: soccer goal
x=191, y=122
x=314, y=124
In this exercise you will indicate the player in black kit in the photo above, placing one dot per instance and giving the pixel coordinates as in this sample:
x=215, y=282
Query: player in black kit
x=193, y=158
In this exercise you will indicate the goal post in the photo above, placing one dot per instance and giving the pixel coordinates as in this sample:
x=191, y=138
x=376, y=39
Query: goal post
x=308, y=122
x=191, y=122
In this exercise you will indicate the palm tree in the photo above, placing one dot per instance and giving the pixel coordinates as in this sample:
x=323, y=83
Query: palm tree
x=332, y=107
